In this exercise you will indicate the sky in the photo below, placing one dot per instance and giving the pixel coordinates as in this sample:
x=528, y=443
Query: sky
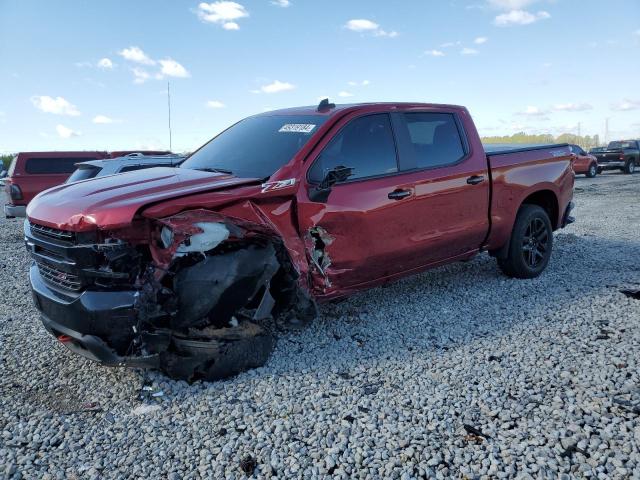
x=84, y=75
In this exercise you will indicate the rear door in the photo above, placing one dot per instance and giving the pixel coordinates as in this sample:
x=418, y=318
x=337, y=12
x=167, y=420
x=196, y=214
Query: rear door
x=450, y=183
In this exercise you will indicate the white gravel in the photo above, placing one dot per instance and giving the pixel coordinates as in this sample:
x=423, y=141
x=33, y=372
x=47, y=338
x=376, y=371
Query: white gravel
x=381, y=386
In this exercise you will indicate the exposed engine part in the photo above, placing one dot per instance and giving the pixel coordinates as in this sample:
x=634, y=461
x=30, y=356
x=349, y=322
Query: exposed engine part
x=213, y=290
x=212, y=235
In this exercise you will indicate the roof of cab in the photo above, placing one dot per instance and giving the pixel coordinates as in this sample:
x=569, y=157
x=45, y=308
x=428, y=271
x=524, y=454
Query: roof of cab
x=332, y=110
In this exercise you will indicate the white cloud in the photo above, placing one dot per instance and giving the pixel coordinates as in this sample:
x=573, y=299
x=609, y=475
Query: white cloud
x=572, y=107
x=345, y=94
x=532, y=111
x=468, y=51
x=362, y=25
x=222, y=13
x=363, y=83
x=626, y=105
x=171, y=68
x=135, y=54
x=105, y=63
x=520, y=17
x=66, y=132
x=637, y=33
x=281, y=3
x=140, y=75
x=275, y=87
x=215, y=104
x=480, y=40
x=450, y=44
x=102, y=119
x=58, y=105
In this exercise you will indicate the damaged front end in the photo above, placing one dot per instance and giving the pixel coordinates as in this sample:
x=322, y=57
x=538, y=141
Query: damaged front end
x=197, y=294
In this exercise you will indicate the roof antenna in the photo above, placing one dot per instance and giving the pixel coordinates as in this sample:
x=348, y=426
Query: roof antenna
x=169, y=107
x=325, y=105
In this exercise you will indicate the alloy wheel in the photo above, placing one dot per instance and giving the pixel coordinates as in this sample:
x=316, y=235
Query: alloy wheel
x=535, y=243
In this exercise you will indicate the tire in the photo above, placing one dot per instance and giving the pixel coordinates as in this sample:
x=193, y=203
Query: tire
x=630, y=167
x=528, y=255
x=214, y=354
x=592, y=172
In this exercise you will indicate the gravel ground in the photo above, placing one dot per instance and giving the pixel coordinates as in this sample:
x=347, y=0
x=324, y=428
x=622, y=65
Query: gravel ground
x=456, y=373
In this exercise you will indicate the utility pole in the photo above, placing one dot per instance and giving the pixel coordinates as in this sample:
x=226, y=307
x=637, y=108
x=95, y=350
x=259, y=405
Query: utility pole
x=606, y=131
x=169, y=108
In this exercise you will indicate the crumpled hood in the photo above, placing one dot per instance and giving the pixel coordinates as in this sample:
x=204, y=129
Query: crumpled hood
x=112, y=201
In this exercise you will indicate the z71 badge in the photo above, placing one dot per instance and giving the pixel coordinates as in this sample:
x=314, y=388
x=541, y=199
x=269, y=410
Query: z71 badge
x=278, y=185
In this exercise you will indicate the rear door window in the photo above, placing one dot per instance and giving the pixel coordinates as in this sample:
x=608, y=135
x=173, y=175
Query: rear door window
x=131, y=168
x=39, y=166
x=435, y=139
x=365, y=144
x=84, y=173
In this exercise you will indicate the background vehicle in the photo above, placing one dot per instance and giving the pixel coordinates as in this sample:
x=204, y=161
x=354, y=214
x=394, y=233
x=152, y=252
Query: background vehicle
x=33, y=172
x=183, y=268
x=584, y=163
x=619, y=155
x=127, y=163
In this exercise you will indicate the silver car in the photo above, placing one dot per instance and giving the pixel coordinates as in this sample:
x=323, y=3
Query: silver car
x=128, y=163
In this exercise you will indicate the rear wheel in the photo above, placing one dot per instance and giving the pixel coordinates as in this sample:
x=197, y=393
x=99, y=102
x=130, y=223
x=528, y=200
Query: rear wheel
x=530, y=244
x=630, y=167
x=593, y=171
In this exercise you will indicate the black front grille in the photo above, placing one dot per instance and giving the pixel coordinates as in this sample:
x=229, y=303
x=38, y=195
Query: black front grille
x=48, y=232
x=58, y=278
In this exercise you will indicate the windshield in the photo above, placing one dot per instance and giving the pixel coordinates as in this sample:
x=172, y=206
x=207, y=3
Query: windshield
x=622, y=145
x=256, y=147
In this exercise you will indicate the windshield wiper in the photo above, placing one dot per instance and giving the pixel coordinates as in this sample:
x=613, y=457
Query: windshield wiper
x=215, y=170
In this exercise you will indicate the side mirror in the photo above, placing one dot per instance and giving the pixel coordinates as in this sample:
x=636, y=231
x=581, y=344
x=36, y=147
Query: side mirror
x=321, y=192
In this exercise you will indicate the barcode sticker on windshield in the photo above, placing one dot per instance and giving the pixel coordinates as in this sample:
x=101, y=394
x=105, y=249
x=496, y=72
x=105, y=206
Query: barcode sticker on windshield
x=297, y=127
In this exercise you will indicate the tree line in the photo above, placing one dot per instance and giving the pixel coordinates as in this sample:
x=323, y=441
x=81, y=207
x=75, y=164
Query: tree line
x=586, y=141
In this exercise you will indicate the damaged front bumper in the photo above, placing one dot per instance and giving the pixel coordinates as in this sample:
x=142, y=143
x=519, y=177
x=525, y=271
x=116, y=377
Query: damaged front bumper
x=82, y=322
x=195, y=303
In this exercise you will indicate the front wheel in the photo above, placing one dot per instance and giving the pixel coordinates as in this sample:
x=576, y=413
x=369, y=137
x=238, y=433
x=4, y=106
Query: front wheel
x=530, y=244
x=593, y=171
x=630, y=167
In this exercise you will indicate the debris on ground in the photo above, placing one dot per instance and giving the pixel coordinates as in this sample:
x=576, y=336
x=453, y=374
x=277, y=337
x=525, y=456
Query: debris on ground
x=631, y=293
x=248, y=465
x=145, y=409
x=471, y=430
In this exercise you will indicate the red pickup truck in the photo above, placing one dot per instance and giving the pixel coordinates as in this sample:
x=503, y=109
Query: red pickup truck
x=190, y=269
x=33, y=172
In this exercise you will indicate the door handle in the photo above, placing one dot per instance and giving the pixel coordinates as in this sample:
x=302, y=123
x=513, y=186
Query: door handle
x=475, y=179
x=399, y=194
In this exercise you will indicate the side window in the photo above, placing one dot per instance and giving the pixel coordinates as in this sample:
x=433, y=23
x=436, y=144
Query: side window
x=365, y=144
x=577, y=150
x=36, y=166
x=435, y=138
x=131, y=168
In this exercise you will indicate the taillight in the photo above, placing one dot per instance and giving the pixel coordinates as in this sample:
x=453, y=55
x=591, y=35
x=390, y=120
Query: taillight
x=15, y=192
x=621, y=156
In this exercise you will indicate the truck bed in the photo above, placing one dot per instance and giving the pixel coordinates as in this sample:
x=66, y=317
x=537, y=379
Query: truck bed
x=516, y=173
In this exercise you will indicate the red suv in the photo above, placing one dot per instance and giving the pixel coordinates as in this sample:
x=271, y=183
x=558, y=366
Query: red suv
x=33, y=172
